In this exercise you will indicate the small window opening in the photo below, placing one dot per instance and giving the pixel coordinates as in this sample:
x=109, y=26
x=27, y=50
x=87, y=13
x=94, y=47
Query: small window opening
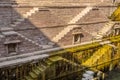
x=117, y=31
x=12, y=48
x=77, y=38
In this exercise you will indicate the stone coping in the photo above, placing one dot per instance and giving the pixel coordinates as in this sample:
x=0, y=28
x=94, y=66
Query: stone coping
x=56, y=4
x=34, y=56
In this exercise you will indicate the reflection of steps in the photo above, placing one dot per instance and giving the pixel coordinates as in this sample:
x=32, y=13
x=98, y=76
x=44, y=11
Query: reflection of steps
x=73, y=21
x=97, y=57
x=38, y=70
x=105, y=30
x=26, y=15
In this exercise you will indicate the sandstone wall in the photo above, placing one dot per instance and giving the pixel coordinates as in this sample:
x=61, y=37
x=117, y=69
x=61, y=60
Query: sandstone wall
x=45, y=24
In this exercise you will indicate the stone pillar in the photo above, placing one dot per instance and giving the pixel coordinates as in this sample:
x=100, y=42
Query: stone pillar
x=110, y=67
x=43, y=75
x=103, y=76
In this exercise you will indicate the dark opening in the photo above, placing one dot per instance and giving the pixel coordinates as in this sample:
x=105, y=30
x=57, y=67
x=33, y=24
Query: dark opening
x=12, y=48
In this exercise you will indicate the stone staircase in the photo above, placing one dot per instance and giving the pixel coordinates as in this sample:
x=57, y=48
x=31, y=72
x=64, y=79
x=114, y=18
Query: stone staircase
x=73, y=21
x=29, y=39
x=26, y=15
x=97, y=57
x=42, y=46
x=18, y=21
x=39, y=70
x=35, y=73
x=105, y=30
x=91, y=33
x=71, y=62
x=10, y=31
x=103, y=55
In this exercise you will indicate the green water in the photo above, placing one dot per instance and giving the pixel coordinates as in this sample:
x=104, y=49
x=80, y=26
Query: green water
x=114, y=75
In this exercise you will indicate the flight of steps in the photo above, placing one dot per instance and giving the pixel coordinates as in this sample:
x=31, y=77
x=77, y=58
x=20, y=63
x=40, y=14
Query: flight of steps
x=71, y=62
x=26, y=15
x=97, y=57
x=24, y=37
x=73, y=21
x=35, y=73
x=117, y=55
x=105, y=30
x=91, y=33
x=42, y=46
x=10, y=31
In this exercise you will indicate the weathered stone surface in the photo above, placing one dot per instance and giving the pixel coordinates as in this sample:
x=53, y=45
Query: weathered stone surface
x=45, y=24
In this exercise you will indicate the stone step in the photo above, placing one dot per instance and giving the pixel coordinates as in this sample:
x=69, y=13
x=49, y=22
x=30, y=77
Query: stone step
x=105, y=30
x=48, y=62
x=25, y=16
x=97, y=56
x=55, y=58
x=72, y=21
x=36, y=71
x=16, y=23
x=22, y=19
x=13, y=25
x=33, y=75
x=46, y=46
x=29, y=39
x=80, y=15
x=28, y=78
x=40, y=68
x=43, y=66
x=28, y=14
